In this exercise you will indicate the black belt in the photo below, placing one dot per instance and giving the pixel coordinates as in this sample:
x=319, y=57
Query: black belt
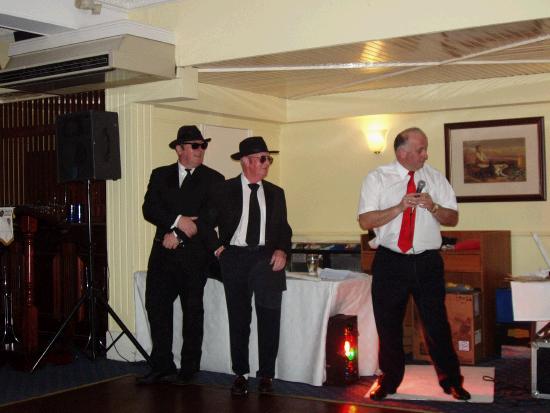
x=256, y=248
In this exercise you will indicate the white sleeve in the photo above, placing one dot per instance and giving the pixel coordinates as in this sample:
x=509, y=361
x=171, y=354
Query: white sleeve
x=445, y=194
x=369, y=199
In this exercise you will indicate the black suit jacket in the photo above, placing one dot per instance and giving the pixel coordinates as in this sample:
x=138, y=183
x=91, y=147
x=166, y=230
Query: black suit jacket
x=227, y=209
x=225, y=213
x=165, y=200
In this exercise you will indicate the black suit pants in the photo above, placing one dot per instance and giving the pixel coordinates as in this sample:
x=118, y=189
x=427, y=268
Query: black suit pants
x=243, y=274
x=395, y=277
x=173, y=273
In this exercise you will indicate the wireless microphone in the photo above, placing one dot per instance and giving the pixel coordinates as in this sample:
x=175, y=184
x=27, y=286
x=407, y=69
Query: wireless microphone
x=420, y=186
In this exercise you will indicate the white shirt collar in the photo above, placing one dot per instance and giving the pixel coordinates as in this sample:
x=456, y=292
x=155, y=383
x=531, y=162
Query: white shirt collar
x=245, y=181
x=402, y=171
x=182, y=170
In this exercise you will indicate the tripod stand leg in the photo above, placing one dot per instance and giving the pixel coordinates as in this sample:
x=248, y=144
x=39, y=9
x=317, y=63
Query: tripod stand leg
x=125, y=329
x=53, y=340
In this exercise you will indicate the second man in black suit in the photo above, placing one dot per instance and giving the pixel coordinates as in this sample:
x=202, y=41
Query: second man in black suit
x=175, y=203
x=254, y=240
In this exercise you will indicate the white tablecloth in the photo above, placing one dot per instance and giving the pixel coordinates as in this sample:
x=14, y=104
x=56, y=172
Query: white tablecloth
x=306, y=308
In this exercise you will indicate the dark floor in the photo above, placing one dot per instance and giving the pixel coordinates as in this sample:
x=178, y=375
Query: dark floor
x=210, y=392
x=124, y=396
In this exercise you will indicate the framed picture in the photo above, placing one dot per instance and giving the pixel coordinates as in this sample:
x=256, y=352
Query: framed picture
x=496, y=160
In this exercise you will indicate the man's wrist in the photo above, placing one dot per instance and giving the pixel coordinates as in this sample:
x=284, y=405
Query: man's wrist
x=434, y=208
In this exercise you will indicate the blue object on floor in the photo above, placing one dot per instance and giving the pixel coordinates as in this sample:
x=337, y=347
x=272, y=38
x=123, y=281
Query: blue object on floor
x=505, y=313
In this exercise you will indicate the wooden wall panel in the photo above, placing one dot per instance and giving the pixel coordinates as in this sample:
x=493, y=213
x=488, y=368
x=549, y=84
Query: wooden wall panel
x=28, y=169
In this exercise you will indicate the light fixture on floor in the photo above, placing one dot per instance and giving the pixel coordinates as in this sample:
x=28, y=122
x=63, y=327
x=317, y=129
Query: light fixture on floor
x=342, y=350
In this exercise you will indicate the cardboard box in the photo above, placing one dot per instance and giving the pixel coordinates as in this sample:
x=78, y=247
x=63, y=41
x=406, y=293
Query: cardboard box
x=464, y=314
x=540, y=368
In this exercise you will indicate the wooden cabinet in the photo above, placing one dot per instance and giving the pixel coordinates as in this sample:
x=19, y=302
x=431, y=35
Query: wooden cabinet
x=484, y=269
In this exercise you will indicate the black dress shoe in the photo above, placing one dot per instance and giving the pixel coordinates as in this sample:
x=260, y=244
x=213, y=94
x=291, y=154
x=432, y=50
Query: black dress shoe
x=265, y=385
x=379, y=392
x=458, y=392
x=165, y=376
x=186, y=375
x=240, y=387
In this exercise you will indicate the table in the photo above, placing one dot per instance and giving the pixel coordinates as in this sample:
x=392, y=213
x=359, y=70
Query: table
x=306, y=308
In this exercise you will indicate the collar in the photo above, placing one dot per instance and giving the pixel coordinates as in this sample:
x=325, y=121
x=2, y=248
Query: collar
x=245, y=181
x=404, y=172
x=182, y=171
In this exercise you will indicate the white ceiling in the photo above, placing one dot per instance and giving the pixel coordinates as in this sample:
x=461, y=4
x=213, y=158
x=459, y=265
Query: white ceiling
x=512, y=49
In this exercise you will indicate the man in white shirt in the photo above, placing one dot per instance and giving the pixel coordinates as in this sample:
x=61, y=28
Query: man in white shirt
x=405, y=202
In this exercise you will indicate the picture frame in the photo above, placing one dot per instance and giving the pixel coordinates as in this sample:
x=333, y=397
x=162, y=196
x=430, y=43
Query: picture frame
x=496, y=160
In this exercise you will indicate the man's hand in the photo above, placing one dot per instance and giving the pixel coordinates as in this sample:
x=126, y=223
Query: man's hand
x=218, y=252
x=170, y=241
x=187, y=225
x=425, y=201
x=278, y=260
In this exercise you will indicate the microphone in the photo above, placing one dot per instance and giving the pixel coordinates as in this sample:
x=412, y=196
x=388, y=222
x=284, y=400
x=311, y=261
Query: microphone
x=420, y=186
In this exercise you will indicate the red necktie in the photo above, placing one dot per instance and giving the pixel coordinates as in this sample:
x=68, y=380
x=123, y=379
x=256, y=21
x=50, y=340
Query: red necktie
x=406, y=234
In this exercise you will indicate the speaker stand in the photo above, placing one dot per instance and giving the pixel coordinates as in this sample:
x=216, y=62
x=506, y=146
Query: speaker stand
x=92, y=297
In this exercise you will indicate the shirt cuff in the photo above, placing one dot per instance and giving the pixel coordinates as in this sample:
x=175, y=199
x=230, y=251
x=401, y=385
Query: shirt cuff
x=175, y=224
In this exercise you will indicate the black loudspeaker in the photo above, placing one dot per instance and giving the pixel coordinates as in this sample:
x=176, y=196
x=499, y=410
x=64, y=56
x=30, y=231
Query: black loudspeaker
x=87, y=146
x=342, y=352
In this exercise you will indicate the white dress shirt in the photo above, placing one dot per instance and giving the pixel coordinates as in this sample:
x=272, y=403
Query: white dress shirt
x=385, y=187
x=239, y=237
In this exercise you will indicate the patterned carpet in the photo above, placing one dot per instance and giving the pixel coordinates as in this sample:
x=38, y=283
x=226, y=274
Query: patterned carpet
x=512, y=385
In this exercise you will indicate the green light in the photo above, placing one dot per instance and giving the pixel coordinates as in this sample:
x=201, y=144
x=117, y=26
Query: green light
x=349, y=351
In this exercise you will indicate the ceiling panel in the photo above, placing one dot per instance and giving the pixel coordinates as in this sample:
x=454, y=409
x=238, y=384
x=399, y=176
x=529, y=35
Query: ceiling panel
x=521, y=48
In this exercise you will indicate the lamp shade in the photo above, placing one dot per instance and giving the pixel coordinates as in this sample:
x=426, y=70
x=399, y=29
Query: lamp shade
x=376, y=140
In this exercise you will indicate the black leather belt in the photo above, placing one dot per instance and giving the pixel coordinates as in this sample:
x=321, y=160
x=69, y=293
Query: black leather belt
x=256, y=248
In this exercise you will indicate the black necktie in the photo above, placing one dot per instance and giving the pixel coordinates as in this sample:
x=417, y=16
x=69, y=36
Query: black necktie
x=186, y=177
x=253, y=230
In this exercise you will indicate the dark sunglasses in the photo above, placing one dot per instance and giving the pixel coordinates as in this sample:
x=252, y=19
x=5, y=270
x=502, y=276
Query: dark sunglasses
x=263, y=158
x=196, y=145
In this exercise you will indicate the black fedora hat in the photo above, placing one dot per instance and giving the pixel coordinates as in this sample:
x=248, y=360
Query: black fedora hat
x=248, y=146
x=187, y=133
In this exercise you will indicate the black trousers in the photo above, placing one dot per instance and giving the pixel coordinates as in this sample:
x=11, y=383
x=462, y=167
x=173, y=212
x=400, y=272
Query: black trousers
x=242, y=272
x=395, y=277
x=173, y=273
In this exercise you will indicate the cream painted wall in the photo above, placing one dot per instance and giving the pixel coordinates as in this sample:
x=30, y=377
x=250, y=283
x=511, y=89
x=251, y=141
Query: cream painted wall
x=321, y=165
x=323, y=153
x=324, y=163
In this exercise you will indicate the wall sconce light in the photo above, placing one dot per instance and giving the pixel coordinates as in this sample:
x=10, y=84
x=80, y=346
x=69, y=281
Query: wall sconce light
x=376, y=140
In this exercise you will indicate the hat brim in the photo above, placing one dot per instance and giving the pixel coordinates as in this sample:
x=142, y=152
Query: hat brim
x=181, y=142
x=237, y=155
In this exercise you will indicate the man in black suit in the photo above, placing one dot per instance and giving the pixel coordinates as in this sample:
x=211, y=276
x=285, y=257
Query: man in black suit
x=175, y=203
x=254, y=240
